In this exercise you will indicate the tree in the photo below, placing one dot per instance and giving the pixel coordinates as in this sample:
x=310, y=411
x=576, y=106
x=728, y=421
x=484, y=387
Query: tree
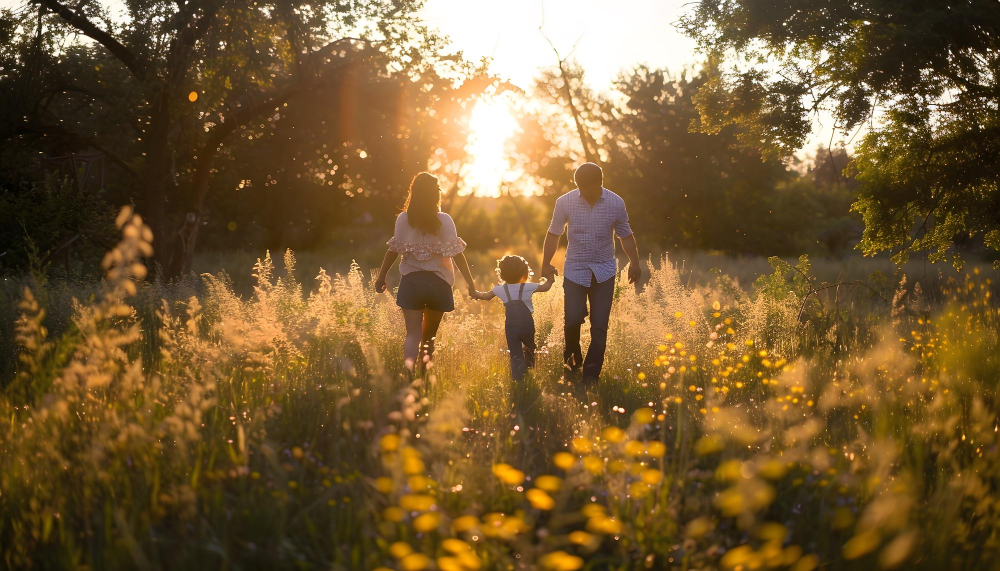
x=191, y=76
x=929, y=164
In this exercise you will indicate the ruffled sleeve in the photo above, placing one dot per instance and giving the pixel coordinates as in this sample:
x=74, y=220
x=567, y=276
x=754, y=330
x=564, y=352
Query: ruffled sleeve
x=424, y=251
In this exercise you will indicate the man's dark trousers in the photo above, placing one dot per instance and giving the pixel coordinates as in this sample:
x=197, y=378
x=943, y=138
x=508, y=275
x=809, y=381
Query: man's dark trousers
x=600, y=296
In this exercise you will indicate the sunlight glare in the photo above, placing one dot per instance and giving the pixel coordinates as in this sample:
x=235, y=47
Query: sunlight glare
x=491, y=127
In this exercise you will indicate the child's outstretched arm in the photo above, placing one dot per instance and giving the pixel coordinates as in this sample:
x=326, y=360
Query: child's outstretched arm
x=545, y=284
x=483, y=295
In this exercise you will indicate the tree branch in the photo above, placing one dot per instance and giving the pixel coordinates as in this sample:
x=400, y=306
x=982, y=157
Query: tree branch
x=89, y=29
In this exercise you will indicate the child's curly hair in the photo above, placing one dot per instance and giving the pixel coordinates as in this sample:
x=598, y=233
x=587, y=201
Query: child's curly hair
x=512, y=269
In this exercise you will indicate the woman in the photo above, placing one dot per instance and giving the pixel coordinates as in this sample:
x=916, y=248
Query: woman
x=427, y=240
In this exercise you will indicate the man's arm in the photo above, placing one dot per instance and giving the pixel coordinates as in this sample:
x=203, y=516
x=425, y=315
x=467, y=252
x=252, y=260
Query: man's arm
x=548, y=251
x=632, y=251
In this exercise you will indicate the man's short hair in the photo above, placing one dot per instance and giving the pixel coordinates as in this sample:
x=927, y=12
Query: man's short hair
x=589, y=174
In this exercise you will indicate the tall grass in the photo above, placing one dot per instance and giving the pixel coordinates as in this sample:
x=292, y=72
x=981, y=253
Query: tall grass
x=735, y=427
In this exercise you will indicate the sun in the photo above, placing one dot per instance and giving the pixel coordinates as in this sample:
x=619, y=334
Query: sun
x=491, y=127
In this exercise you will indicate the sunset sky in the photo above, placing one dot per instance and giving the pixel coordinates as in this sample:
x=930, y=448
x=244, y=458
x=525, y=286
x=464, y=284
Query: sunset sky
x=612, y=35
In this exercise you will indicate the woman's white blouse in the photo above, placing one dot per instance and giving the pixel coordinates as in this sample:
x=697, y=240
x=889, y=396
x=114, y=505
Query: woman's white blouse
x=427, y=252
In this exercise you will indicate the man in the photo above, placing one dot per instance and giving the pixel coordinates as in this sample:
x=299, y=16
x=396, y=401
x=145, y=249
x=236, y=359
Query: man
x=595, y=215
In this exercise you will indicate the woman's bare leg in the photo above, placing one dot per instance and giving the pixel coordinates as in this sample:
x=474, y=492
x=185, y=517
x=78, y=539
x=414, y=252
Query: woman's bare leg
x=431, y=321
x=414, y=323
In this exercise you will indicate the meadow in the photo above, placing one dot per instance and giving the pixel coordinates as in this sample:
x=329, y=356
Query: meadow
x=787, y=422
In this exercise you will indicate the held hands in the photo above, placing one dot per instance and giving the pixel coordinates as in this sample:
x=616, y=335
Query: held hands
x=549, y=272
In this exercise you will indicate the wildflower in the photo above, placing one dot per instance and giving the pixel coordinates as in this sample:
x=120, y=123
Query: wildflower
x=390, y=443
x=400, y=549
x=561, y=561
x=508, y=474
x=455, y=546
x=540, y=500
x=643, y=415
x=416, y=502
x=652, y=476
x=383, y=485
x=613, y=434
x=604, y=525
x=550, y=484
x=393, y=514
x=656, y=449
x=698, y=527
x=861, y=544
x=593, y=464
x=564, y=460
x=427, y=522
x=415, y=562
x=582, y=445
x=465, y=523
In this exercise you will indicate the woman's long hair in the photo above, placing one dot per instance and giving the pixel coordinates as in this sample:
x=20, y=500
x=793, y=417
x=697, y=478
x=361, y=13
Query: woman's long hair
x=424, y=203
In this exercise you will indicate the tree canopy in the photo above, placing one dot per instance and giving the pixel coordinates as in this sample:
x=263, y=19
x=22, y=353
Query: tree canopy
x=921, y=77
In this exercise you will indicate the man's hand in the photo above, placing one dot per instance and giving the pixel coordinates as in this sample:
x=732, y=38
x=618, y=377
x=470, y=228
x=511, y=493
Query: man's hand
x=634, y=272
x=549, y=272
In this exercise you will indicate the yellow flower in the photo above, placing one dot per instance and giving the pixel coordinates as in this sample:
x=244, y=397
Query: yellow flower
x=644, y=415
x=638, y=490
x=737, y=556
x=393, y=514
x=465, y=523
x=593, y=464
x=400, y=549
x=390, y=443
x=550, y=484
x=456, y=546
x=581, y=538
x=634, y=448
x=540, y=500
x=652, y=476
x=383, y=484
x=561, y=561
x=449, y=564
x=698, y=527
x=564, y=460
x=613, y=434
x=582, y=445
x=416, y=502
x=656, y=449
x=716, y=305
x=415, y=562
x=604, y=525
x=508, y=474
x=426, y=522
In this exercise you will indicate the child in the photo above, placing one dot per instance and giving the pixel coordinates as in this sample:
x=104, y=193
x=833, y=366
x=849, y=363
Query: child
x=515, y=293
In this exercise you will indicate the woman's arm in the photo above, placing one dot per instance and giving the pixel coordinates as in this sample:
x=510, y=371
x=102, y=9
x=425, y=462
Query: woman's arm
x=463, y=266
x=483, y=295
x=387, y=262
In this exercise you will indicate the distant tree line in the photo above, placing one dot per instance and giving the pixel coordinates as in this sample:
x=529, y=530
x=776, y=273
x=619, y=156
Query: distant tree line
x=271, y=124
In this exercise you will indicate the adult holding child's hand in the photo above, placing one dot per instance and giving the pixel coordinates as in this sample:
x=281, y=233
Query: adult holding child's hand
x=594, y=216
x=428, y=241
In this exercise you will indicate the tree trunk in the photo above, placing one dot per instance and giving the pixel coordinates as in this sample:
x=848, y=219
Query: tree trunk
x=158, y=179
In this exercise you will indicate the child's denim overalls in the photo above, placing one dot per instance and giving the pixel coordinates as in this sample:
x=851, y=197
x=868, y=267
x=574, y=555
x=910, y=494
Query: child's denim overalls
x=520, y=334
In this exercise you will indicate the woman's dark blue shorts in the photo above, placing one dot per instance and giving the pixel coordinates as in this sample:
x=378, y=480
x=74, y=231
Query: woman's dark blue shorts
x=424, y=290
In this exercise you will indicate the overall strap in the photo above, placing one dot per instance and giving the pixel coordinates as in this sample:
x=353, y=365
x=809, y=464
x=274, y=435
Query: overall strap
x=520, y=292
x=507, y=291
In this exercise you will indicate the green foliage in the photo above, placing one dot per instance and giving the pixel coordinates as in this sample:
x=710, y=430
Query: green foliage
x=921, y=75
x=52, y=221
